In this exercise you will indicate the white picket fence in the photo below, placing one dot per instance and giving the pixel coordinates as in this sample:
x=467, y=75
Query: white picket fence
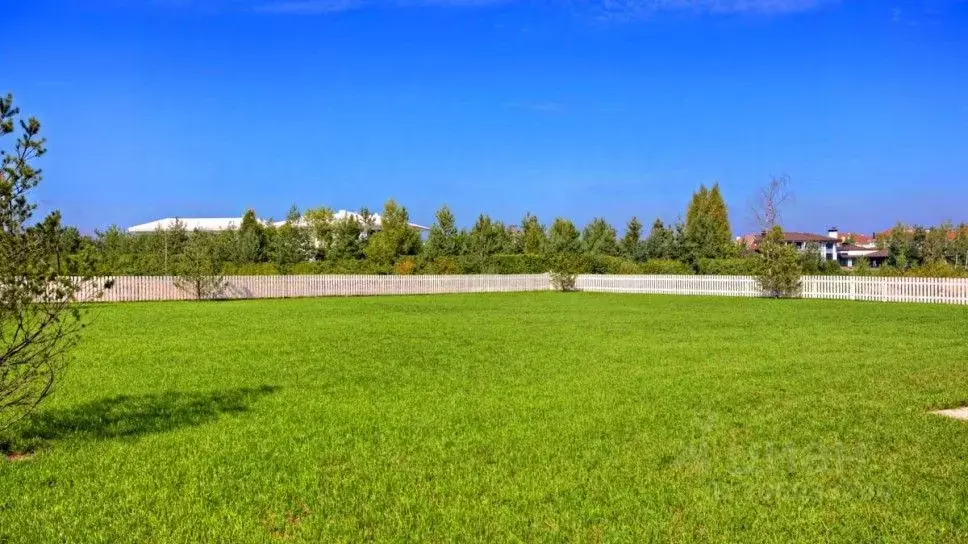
x=729, y=286
x=145, y=288
x=935, y=290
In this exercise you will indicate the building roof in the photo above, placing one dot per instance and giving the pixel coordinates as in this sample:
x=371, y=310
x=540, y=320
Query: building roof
x=794, y=237
x=853, y=247
x=344, y=214
x=212, y=224
x=859, y=238
x=879, y=254
x=218, y=224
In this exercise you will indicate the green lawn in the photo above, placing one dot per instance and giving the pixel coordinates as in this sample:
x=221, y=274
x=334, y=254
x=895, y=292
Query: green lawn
x=501, y=417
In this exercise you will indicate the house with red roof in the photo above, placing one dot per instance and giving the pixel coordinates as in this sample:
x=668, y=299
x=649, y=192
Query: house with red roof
x=832, y=246
x=858, y=239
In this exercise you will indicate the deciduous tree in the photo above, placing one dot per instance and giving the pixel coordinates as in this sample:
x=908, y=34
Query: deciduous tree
x=897, y=246
x=321, y=226
x=936, y=244
x=766, y=208
x=959, y=246
x=395, y=238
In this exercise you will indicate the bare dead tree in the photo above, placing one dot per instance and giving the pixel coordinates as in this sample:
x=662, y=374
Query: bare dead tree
x=39, y=319
x=767, y=205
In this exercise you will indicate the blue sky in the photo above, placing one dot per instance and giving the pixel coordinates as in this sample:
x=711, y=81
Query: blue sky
x=607, y=108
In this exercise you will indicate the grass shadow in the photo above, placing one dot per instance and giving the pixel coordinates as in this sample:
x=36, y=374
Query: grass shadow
x=129, y=416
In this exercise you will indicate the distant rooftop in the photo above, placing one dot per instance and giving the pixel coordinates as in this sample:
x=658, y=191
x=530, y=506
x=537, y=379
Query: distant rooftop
x=218, y=224
x=797, y=237
x=208, y=224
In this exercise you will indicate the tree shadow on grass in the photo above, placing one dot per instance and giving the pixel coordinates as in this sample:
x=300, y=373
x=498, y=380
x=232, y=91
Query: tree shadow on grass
x=130, y=416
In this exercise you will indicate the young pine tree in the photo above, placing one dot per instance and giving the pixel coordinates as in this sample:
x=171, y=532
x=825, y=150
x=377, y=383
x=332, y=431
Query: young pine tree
x=599, y=238
x=291, y=243
x=660, y=242
x=253, y=240
x=39, y=318
x=563, y=237
x=486, y=239
x=199, y=272
x=707, y=232
x=443, y=238
x=631, y=244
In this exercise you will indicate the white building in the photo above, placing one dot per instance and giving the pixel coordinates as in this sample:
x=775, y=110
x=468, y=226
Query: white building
x=204, y=224
x=218, y=224
x=826, y=245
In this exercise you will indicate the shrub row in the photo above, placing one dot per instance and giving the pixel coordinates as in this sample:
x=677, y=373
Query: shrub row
x=575, y=264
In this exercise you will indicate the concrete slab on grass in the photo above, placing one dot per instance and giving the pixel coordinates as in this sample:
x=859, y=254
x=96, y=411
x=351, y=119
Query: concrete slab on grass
x=955, y=413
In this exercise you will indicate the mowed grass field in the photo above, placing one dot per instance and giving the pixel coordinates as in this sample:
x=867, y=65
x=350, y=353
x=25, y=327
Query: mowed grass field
x=501, y=417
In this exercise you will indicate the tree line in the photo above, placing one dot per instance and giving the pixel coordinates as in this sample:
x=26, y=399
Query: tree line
x=916, y=247
x=313, y=241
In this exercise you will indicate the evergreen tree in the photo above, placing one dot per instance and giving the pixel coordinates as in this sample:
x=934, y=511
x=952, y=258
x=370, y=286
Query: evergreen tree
x=779, y=274
x=563, y=237
x=291, y=243
x=897, y=246
x=631, y=245
x=862, y=267
x=697, y=207
x=659, y=244
x=486, y=238
x=534, y=240
x=677, y=250
x=811, y=263
x=510, y=239
x=199, y=272
x=716, y=207
x=443, y=238
x=707, y=231
x=253, y=243
x=40, y=321
x=599, y=238
x=915, y=247
x=225, y=245
x=174, y=240
x=347, y=240
x=114, y=253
